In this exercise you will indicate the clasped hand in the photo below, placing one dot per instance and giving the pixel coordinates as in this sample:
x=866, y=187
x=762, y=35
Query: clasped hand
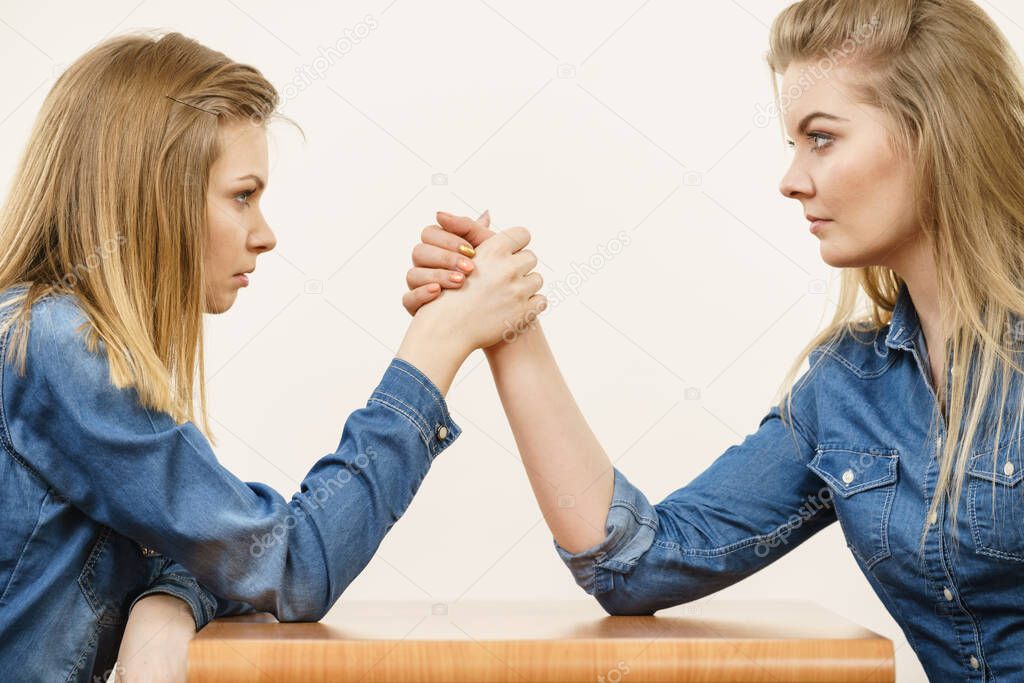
x=502, y=292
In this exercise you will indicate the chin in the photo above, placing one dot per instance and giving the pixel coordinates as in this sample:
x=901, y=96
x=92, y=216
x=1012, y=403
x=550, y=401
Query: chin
x=839, y=258
x=220, y=304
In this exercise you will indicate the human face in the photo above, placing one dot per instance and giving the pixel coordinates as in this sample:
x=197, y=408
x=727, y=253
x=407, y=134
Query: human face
x=845, y=170
x=236, y=233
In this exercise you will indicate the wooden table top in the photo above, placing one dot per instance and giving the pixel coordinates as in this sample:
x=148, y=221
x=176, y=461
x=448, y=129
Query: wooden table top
x=710, y=640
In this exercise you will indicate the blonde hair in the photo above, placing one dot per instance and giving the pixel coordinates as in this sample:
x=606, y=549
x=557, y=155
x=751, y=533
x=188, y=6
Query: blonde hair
x=108, y=204
x=951, y=85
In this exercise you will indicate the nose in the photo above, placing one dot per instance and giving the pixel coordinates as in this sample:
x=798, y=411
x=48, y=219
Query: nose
x=796, y=183
x=262, y=238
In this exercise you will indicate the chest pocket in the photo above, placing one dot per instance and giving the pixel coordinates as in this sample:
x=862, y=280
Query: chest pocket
x=995, y=499
x=862, y=483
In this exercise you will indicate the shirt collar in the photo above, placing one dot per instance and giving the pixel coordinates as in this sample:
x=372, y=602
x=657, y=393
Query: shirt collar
x=905, y=324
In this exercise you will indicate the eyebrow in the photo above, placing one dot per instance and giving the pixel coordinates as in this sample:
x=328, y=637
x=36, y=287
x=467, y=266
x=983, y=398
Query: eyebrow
x=252, y=176
x=816, y=115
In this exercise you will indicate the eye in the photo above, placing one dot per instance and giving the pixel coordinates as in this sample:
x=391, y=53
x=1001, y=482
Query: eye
x=244, y=196
x=814, y=138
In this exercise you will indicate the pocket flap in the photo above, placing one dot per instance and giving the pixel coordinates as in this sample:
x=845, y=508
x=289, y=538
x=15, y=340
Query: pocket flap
x=1007, y=470
x=851, y=470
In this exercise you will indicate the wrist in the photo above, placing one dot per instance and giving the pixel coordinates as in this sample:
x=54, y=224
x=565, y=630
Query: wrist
x=435, y=349
x=522, y=342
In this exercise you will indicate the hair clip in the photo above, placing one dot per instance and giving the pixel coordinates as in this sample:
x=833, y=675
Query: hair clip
x=189, y=105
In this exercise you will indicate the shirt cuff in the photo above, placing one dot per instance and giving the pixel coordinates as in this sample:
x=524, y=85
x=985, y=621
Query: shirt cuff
x=630, y=527
x=410, y=393
x=200, y=601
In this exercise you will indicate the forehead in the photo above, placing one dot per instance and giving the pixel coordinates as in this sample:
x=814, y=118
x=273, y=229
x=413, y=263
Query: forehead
x=806, y=88
x=243, y=147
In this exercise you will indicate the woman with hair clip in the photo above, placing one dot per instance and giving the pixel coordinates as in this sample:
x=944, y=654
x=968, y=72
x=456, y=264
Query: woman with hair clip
x=119, y=233
x=907, y=124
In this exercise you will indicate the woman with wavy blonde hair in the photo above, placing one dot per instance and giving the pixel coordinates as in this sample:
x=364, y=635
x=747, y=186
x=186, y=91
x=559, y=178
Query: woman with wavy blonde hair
x=133, y=212
x=907, y=119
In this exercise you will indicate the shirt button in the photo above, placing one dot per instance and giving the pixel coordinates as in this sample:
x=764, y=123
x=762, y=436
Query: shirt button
x=442, y=433
x=974, y=662
x=1008, y=468
x=848, y=476
x=947, y=594
x=934, y=517
x=938, y=442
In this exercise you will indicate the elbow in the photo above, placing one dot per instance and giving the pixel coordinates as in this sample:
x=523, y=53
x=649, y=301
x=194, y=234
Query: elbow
x=309, y=612
x=307, y=602
x=629, y=597
x=621, y=600
x=618, y=603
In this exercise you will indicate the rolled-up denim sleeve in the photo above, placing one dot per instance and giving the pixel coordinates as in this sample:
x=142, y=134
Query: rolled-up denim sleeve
x=175, y=580
x=630, y=528
x=158, y=482
x=755, y=503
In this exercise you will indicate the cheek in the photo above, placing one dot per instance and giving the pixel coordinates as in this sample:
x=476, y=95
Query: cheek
x=222, y=236
x=873, y=198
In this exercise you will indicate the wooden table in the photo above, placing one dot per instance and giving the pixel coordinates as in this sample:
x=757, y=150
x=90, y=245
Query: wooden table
x=710, y=640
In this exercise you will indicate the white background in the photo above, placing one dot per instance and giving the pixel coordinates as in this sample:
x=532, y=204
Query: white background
x=579, y=120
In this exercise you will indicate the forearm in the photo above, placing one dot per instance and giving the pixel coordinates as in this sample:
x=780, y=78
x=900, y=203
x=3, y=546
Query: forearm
x=571, y=476
x=155, y=641
x=435, y=351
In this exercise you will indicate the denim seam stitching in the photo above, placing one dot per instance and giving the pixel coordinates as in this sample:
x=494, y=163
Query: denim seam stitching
x=983, y=549
x=780, y=532
x=434, y=395
x=94, y=554
x=640, y=518
x=94, y=639
x=419, y=429
x=857, y=371
x=188, y=583
x=323, y=547
x=979, y=649
x=731, y=547
x=4, y=429
x=884, y=552
x=412, y=408
x=24, y=548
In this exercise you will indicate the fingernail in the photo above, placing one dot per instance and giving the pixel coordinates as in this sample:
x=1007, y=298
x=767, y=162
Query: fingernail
x=467, y=250
x=456, y=277
x=484, y=214
x=443, y=213
x=465, y=265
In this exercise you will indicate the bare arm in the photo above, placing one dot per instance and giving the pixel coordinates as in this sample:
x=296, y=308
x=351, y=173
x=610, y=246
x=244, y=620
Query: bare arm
x=569, y=471
x=571, y=476
x=155, y=643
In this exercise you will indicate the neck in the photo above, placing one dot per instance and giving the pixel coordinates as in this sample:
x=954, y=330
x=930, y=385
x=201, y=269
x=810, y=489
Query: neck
x=916, y=266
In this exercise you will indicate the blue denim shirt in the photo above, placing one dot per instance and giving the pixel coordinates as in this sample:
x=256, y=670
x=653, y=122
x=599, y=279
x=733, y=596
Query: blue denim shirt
x=864, y=454
x=105, y=501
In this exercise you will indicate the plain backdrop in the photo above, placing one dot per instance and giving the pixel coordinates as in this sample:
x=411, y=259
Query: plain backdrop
x=638, y=142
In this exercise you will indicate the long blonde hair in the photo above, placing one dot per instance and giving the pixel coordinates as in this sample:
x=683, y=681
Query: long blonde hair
x=108, y=204
x=951, y=85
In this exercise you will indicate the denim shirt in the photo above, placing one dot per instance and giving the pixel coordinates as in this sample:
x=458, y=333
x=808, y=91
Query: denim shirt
x=865, y=453
x=105, y=501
